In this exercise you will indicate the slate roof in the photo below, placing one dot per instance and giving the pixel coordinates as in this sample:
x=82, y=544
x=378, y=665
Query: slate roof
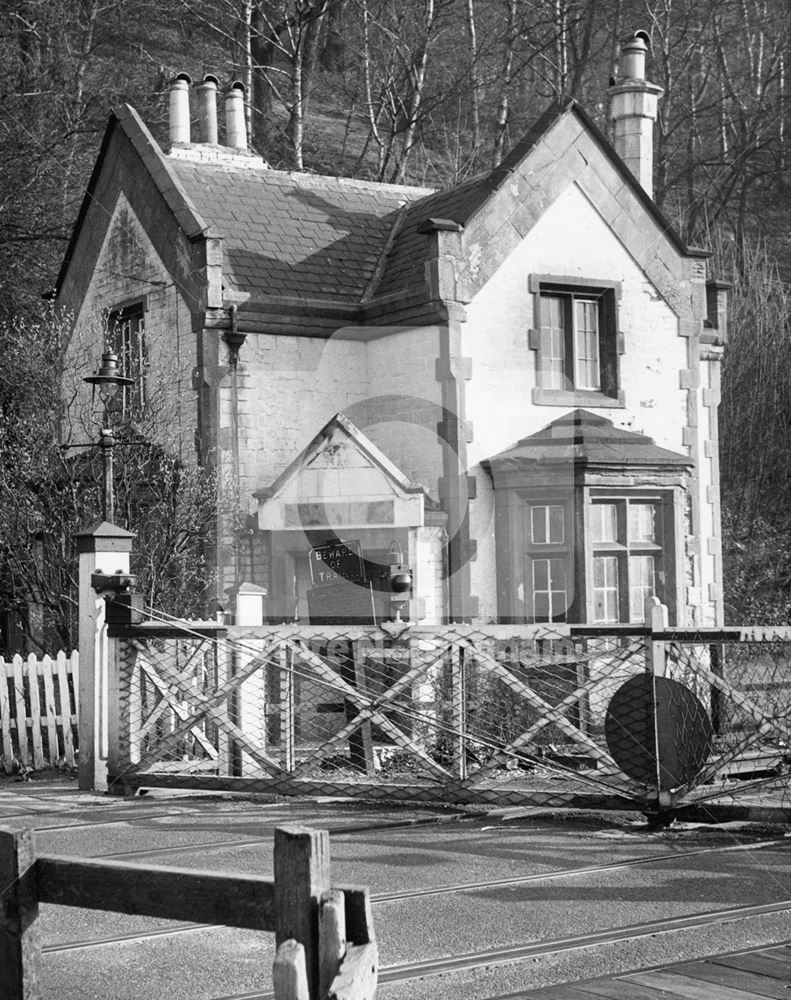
x=295, y=234
x=321, y=238
x=584, y=438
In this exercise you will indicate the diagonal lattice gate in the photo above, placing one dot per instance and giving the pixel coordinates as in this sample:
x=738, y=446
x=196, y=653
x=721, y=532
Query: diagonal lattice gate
x=465, y=714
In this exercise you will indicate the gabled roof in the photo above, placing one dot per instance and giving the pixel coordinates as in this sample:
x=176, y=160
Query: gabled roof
x=340, y=425
x=333, y=241
x=341, y=479
x=461, y=204
x=583, y=438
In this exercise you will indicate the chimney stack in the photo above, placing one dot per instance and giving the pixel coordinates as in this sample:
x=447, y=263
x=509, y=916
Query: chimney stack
x=207, y=109
x=235, y=124
x=633, y=108
x=179, y=105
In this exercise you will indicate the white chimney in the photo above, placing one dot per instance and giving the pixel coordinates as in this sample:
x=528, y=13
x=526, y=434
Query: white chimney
x=235, y=124
x=633, y=109
x=207, y=109
x=179, y=106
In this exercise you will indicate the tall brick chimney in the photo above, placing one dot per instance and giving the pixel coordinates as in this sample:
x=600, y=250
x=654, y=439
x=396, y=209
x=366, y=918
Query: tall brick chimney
x=633, y=102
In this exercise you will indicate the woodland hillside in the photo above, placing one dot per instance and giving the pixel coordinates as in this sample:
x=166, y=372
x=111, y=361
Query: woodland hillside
x=429, y=92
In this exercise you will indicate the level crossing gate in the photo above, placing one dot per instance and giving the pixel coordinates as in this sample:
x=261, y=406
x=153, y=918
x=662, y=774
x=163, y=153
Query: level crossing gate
x=647, y=717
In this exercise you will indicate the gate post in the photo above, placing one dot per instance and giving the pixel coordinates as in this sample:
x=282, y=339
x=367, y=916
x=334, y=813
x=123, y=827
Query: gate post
x=103, y=548
x=248, y=703
x=656, y=618
x=302, y=875
x=20, y=940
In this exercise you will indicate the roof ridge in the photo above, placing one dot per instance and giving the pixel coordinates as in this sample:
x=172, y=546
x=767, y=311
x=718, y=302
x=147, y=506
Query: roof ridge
x=306, y=177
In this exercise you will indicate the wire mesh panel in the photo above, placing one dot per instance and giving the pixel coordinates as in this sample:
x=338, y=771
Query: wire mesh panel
x=743, y=684
x=456, y=713
x=521, y=714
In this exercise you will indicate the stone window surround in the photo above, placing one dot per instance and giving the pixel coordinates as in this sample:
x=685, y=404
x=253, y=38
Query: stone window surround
x=610, y=292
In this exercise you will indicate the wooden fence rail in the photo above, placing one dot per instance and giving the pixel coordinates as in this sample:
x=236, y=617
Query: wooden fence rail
x=326, y=946
x=38, y=711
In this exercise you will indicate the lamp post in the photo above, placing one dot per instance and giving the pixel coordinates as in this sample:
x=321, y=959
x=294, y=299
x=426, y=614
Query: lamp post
x=107, y=379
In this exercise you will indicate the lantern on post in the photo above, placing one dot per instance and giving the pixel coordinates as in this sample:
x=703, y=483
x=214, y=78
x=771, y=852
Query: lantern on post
x=107, y=379
x=400, y=577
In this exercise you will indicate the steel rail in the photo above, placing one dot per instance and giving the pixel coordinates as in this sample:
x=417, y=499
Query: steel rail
x=380, y=899
x=411, y=971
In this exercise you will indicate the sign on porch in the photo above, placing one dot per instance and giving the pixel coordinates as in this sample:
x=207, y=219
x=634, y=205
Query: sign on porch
x=337, y=560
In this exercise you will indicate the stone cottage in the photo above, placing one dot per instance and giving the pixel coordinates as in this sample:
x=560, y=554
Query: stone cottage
x=508, y=388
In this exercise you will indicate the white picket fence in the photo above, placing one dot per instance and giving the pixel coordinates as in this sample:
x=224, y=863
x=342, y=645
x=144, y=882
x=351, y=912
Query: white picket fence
x=38, y=711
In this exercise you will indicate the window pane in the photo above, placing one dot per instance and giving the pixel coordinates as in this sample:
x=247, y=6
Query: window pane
x=550, y=596
x=642, y=522
x=557, y=524
x=547, y=524
x=605, y=589
x=605, y=522
x=553, y=354
x=641, y=585
x=541, y=606
x=557, y=575
x=587, y=344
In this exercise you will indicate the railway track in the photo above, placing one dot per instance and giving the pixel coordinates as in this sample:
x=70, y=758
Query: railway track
x=414, y=971
x=431, y=967
x=382, y=899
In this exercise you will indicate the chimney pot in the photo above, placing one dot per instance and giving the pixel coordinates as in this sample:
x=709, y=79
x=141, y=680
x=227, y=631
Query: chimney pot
x=633, y=110
x=179, y=108
x=207, y=109
x=235, y=125
x=633, y=51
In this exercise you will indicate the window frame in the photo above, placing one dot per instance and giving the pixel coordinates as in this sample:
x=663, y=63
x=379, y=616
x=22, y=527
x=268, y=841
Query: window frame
x=548, y=550
x=663, y=549
x=132, y=401
x=610, y=341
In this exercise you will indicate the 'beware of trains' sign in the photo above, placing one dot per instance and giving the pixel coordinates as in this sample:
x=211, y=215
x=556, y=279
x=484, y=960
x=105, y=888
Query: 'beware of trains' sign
x=337, y=560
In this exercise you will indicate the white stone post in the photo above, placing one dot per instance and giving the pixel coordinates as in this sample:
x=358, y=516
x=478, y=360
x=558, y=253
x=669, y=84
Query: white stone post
x=103, y=548
x=251, y=696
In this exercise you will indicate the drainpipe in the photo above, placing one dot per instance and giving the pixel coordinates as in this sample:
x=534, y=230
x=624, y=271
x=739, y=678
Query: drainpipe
x=234, y=339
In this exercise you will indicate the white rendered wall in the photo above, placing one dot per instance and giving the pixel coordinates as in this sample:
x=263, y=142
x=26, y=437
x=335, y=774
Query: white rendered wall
x=570, y=240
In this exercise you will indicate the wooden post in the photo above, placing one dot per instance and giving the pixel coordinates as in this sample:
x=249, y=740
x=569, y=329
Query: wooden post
x=361, y=683
x=459, y=711
x=359, y=970
x=289, y=974
x=302, y=874
x=656, y=618
x=287, y=707
x=718, y=702
x=20, y=946
x=103, y=548
x=227, y=749
x=332, y=938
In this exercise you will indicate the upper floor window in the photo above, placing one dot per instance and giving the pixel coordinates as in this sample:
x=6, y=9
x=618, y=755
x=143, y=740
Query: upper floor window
x=576, y=340
x=126, y=336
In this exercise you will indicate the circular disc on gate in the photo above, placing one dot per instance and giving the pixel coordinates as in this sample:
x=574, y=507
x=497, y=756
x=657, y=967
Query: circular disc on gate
x=683, y=731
